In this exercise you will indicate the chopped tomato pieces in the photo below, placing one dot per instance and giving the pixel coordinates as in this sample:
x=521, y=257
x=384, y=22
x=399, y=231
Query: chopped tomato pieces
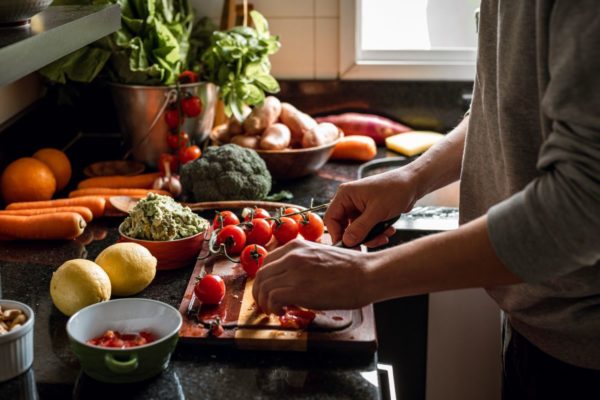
x=114, y=339
x=296, y=318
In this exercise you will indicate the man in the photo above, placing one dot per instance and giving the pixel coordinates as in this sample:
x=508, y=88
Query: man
x=528, y=157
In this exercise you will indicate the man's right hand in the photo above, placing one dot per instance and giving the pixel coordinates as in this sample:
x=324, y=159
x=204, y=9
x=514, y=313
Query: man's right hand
x=359, y=205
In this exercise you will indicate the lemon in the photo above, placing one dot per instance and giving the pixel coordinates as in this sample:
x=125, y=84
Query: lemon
x=77, y=284
x=130, y=267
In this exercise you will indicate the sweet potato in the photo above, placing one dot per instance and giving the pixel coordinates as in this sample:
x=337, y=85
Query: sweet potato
x=250, y=142
x=275, y=137
x=357, y=148
x=262, y=116
x=297, y=121
x=374, y=126
x=320, y=135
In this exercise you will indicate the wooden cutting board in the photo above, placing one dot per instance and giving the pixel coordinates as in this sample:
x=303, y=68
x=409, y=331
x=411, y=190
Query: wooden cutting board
x=247, y=328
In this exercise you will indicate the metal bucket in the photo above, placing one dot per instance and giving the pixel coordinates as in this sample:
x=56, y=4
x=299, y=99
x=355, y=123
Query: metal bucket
x=138, y=107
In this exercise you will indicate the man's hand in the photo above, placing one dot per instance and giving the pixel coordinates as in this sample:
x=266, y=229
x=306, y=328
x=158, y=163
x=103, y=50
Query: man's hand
x=311, y=275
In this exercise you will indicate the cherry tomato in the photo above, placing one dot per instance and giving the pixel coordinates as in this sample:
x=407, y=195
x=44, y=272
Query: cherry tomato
x=285, y=230
x=234, y=238
x=187, y=154
x=256, y=212
x=227, y=217
x=210, y=289
x=312, y=228
x=188, y=76
x=191, y=106
x=296, y=318
x=290, y=210
x=166, y=158
x=172, y=118
x=252, y=258
x=260, y=232
x=176, y=141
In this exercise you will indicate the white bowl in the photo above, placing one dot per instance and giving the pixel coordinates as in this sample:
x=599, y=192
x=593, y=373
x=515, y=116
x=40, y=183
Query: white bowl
x=16, y=346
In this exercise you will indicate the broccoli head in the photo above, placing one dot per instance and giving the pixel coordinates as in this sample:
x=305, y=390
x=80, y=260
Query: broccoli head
x=228, y=172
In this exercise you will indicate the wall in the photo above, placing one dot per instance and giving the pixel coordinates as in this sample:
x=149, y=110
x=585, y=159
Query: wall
x=18, y=95
x=308, y=30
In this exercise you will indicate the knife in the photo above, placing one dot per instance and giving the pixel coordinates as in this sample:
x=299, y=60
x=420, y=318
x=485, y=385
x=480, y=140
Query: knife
x=377, y=230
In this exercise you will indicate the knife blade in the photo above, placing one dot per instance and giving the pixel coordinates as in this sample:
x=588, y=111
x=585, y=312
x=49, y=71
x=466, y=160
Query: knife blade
x=377, y=230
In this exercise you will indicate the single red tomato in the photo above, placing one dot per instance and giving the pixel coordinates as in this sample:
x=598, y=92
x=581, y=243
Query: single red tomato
x=312, y=228
x=171, y=160
x=285, y=230
x=224, y=218
x=256, y=212
x=172, y=118
x=290, y=210
x=188, y=76
x=259, y=232
x=187, y=154
x=191, y=106
x=252, y=258
x=233, y=237
x=177, y=141
x=210, y=289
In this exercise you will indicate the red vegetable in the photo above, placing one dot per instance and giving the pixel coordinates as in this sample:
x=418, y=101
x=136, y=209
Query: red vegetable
x=177, y=141
x=233, y=237
x=366, y=125
x=312, y=228
x=187, y=154
x=256, y=212
x=191, y=106
x=296, y=318
x=172, y=118
x=210, y=289
x=259, y=232
x=252, y=258
x=224, y=218
x=286, y=229
x=291, y=210
x=188, y=76
x=114, y=339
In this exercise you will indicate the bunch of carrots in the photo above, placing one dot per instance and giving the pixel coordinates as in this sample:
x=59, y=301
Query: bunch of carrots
x=67, y=218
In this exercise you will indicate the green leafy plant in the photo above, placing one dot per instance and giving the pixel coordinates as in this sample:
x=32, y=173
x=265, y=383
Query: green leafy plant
x=238, y=62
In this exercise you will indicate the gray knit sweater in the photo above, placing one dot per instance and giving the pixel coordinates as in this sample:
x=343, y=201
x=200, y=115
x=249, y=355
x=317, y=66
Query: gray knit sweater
x=532, y=162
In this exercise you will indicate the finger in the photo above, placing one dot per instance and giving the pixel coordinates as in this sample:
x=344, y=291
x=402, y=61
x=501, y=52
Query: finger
x=359, y=228
x=279, y=298
x=279, y=252
x=382, y=239
x=268, y=272
x=337, y=214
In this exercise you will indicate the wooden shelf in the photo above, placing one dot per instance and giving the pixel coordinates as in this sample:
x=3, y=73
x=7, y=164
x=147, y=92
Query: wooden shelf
x=53, y=33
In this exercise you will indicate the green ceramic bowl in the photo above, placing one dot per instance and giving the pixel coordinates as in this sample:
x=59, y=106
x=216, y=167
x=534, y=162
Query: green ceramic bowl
x=126, y=316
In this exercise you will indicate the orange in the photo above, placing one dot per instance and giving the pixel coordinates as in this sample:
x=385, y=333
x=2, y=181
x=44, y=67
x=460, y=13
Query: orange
x=58, y=163
x=27, y=179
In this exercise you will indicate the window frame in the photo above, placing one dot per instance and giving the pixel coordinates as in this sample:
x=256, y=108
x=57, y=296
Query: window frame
x=454, y=64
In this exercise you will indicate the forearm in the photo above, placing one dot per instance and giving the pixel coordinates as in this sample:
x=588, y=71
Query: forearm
x=458, y=259
x=441, y=164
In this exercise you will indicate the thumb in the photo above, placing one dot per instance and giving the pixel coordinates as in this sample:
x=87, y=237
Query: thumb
x=358, y=229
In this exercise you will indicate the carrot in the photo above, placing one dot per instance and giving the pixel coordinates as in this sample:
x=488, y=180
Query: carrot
x=96, y=204
x=60, y=225
x=108, y=192
x=143, y=181
x=371, y=125
x=358, y=148
x=85, y=212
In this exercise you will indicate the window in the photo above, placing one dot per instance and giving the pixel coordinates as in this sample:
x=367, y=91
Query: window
x=408, y=39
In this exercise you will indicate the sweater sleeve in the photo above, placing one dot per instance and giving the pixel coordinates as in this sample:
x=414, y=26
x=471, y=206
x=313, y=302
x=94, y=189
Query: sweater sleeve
x=552, y=226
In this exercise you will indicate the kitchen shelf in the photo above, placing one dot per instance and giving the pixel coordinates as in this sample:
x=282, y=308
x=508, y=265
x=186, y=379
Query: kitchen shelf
x=53, y=33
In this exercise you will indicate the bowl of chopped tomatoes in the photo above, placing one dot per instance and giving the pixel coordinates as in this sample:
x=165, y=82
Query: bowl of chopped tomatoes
x=124, y=340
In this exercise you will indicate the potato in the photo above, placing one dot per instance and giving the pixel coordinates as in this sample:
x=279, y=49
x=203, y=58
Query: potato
x=262, y=116
x=275, y=137
x=250, y=142
x=222, y=135
x=320, y=135
x=234, y=127
x=297, y=121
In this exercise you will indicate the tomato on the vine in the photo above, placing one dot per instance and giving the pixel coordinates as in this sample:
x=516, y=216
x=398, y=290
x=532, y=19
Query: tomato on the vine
x=187, y=154
x=188, y=76
x=291, y=210
x=177, y=141
x=171, y=160
x=259, y=231
x=227, y=217
x=256, y=212
x=296, y=318
x=252, y=258
x=285, y=230
x=210, y=289
x=312, y=228
x=233, y=237
x=172, y=118
x=191, y=106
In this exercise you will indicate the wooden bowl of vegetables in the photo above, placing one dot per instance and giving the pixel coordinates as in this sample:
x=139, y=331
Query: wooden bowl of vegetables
x=291, y=143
